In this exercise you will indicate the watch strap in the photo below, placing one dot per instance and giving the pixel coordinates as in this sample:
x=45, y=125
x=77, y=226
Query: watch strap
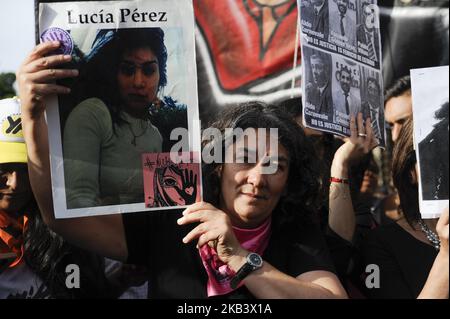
x=243, y=272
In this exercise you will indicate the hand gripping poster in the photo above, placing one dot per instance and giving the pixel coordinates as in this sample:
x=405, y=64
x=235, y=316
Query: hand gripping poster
x=341, y=64
x=430, y=93
x=136, y=94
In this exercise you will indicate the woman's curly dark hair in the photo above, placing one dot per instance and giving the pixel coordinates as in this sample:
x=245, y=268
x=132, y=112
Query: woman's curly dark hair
x=98, y=75
x=298, y=206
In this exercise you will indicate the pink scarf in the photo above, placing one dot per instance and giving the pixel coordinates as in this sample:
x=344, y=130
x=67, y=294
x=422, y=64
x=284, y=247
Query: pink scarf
x=219, y=274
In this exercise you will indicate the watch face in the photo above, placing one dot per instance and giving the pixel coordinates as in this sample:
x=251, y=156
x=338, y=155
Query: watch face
x=255, y=260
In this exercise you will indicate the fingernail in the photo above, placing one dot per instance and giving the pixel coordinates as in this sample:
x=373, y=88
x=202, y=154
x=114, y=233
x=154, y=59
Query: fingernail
x=184, y=212
x=55, y=43
x=75, y=72
x=67, y=90
x=180, y=221
x=67, y=57
x=184, y=240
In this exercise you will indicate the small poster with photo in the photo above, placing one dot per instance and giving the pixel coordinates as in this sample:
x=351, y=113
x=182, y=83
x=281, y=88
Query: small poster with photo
x=136, y=93
x=171, y=184
x=430, y=94
x=349, y=28
x=339, y=80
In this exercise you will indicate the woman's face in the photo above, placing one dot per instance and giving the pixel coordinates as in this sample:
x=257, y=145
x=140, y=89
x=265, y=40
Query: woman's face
x=138, y=80
x=247, y=195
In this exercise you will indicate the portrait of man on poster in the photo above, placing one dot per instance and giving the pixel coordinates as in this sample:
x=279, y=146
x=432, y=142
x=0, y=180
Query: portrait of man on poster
x=366, y=34
x=372, y=106
x=343, y=22
x=345, y=100
x=318, y=89
x=316, y=12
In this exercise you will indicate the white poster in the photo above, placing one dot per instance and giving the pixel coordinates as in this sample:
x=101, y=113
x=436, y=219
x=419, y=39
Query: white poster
x=430, y=93
x=137, y=84
x=341, y=54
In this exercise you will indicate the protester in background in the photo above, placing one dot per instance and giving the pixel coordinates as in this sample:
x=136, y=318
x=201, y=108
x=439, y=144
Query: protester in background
x=38, y=258
x=344, y=225
x=266, y=214
x=411, y=254
x=398, y=108
x=398, y=105
x=347, y=222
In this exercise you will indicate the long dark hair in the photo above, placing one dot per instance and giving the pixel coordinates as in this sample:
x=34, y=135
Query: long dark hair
x=403, y=164
x=98, y=74
x=298, y=206
x=48, y=255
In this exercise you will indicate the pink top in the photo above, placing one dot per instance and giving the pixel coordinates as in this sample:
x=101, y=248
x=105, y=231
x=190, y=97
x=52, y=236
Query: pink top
x=219, y=274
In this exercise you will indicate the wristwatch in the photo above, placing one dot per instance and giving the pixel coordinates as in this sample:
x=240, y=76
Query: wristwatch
x=254, y=261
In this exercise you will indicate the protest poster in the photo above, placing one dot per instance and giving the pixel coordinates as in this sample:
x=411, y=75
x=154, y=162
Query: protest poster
x=137, y=85
x=430, y=94
x=341, y=67
x=168, y=183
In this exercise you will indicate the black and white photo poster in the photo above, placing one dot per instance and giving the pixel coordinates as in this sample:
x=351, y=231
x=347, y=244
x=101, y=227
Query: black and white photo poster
x=137, y=84
x=430, y=93
x=341, y=56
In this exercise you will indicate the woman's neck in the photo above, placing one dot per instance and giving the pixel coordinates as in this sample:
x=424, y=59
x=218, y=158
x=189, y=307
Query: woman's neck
x=140, y=115
x=416, y=231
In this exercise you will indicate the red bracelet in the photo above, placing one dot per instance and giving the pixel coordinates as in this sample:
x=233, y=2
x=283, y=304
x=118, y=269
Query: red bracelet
x=338, y=180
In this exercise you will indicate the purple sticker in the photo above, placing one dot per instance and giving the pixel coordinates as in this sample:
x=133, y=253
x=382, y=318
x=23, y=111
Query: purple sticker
x=64, y=38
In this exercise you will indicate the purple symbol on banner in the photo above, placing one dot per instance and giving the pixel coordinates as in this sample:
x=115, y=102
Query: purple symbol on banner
x=57, y=34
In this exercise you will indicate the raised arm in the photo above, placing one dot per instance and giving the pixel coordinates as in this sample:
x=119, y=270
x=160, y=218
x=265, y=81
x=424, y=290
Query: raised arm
x=341, y=218
x=103, y=235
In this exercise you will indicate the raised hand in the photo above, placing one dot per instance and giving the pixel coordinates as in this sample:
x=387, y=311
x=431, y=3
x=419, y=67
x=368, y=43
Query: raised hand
x=361, y=142
x=36, y=78
x=214, y=229
x=188, y=190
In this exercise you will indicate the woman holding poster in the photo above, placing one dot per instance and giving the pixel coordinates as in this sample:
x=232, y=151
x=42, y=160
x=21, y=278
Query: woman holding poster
x=256, y=236
x=412, y=253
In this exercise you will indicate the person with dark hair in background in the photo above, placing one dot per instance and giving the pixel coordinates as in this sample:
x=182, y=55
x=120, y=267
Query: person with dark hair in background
x=433, y=152
x=318, y=91
x=106, y=133
x=33, y=259
x=398, y=105
x=256, y=230
x=345, y=226
x=397, y=109
x=411, y=254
